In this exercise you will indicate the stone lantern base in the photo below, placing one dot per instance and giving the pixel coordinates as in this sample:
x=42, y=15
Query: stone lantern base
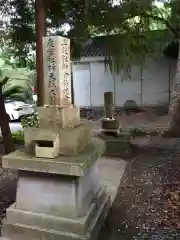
x=110, y=126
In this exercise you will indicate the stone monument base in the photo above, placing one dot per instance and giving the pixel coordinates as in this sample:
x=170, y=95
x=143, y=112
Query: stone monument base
x=21, y=225
x=58, y=116
x=71, y=140
x=117, y=146
x=110, y=126
x=57, y=198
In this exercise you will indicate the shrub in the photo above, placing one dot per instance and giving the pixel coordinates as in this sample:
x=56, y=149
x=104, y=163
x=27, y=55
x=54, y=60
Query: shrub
x=30, y=121
x=136, y=132
x=19, y=135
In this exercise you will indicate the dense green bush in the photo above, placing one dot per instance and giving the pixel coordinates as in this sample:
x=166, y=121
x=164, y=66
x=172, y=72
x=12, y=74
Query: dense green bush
x=30, y=121
x=19, y=135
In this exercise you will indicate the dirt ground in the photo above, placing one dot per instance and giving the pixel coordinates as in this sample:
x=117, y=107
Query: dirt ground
x=147, y=205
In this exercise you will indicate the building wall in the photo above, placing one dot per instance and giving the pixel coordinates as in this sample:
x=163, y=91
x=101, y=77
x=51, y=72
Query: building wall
x=147, y=85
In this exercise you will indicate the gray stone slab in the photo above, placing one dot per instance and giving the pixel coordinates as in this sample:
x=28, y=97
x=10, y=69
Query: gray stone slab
x=21, y=231
x=111, y=171
x=64, y=165
x=77, y=226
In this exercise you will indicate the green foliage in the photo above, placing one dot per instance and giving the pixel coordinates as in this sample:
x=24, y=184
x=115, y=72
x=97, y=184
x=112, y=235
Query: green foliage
x=30, y=121
x=19, y=135
x=21, y=28
x=16, y=83
x=141, y=132
x=129, y=22
x=19, y=81
x=12, y=92
x=136, y=132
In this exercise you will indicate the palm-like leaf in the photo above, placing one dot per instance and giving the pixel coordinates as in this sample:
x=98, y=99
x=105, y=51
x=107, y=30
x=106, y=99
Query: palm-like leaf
x=4, y=81
x=16, y=84
x=14, y=93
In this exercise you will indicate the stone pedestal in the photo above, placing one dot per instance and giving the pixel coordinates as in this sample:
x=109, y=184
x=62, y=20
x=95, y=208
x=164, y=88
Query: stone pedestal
x=57, y=198
x=110, y=126
x=117, y=145
x=71, y=140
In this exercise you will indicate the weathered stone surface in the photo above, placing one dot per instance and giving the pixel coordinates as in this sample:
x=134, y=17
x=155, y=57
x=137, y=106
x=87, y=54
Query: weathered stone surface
x=119, y=145
x=47, y=148
x=71, y=140
x=108, y=104
x=77, y=226
x=65, y=196
x=74, y=140
x=109, y=125
x=55, y=117
x=111, y=171
x=18, y=231
x=57, y=70
x=64, y=165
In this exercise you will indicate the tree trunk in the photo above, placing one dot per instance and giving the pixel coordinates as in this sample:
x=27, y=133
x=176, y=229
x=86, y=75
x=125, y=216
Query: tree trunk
x=5, y=129
x=40, y=32
x=174, y=107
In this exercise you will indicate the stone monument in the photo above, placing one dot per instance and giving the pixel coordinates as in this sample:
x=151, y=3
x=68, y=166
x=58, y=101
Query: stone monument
x=118, y=143
x=109, y=124
x=58, y=194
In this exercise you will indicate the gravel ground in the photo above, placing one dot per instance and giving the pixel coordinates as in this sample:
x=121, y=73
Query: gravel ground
x=8, y=184
x=143, y=208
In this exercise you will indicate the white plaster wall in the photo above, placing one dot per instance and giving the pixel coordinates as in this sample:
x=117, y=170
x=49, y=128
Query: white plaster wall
x=128, y=86
x=92, y=79
x=101, y=81
x=155, y=90
x=81, y=84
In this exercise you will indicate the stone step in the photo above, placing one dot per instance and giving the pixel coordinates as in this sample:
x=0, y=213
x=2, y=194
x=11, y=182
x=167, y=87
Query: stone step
x=77, y=226
x=22, y=231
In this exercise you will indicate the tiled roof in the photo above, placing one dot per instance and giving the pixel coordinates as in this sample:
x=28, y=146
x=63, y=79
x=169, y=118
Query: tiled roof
x=100, y=47
x=95, y=47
